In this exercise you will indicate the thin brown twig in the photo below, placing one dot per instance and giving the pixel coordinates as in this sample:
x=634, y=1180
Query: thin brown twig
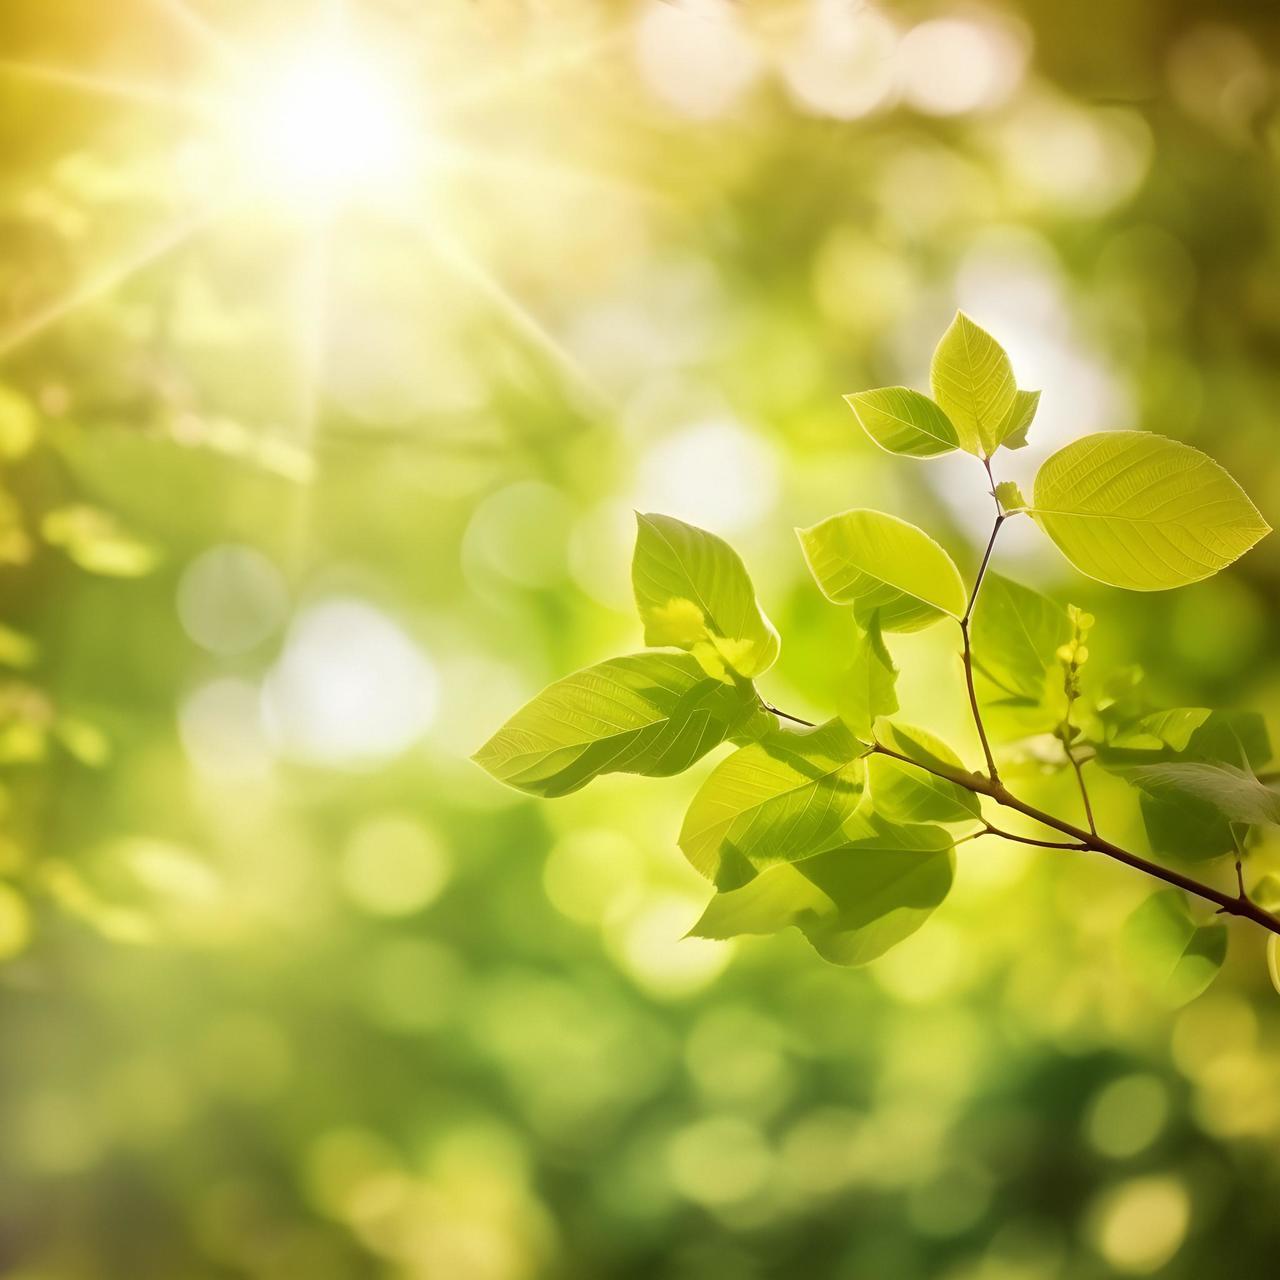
x=967, y=654
x=981, y=785
x=786, y=715
x=993, y=830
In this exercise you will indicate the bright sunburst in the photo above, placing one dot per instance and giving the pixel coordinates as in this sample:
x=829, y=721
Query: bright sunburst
x=327, y=123
x=346, y=128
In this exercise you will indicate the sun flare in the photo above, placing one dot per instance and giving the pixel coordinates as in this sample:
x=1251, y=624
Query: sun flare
x=326, y=125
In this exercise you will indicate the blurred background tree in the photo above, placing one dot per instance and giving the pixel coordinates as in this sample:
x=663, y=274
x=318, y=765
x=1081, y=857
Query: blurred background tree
x=338, y=343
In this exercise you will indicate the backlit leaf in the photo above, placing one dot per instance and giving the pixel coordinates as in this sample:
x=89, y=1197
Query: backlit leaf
x=903, y=421
x=1234, y=793
x=902, y=793
x=868, y=687
x=651, y=713
x=1273, y=959
x=876, y=562
x=1266, y=893
x=973, y=383
x=1010, y=498
x=1140, y=511
x=1186, y=829
x=1183, y=822
x=1013, y=430
x=693, y=592
x=784, y=797
x=1173, y=728
x=1016, y=633
x=1170, y=954
x=852, y=902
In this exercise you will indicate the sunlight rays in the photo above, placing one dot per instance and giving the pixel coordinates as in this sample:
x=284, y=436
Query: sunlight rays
x=105, y=280
x=483, y=90
x=329, y=174
x=195, y=24
x=125, y=90
x=463, y=264
x=498, y=164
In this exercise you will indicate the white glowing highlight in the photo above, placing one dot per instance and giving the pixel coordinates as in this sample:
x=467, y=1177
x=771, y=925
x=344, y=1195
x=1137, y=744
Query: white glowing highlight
x=327, y=124
x=351, y=688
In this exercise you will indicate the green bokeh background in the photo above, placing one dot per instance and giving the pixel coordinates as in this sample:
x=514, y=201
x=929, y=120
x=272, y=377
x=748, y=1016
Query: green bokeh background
x=310, y=996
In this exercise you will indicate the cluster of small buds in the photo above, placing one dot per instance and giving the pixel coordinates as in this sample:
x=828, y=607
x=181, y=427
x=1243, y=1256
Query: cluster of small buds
x=1075, y=653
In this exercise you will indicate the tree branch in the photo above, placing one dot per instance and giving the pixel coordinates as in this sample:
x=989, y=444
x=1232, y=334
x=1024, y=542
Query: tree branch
x=995, y=790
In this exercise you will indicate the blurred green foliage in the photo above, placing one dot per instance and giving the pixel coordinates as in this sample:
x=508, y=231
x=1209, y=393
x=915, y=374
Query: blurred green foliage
x=290, y=987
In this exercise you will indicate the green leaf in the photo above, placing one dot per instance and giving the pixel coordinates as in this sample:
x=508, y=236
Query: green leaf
x=784, y=797
x=1013, y=430
x=1181, y=823
x=1266, y=893
x=903, y=421
x=874, y=561
x=902, y=793
x=1238, y=737
x=1186, y=829
x=1273, y=959
x=1010, y=498
x=693, y=592
x=1173, y=728
x=1234, y=793
x=973, y=384
x=1172, y=955
x=1016, y=633
x=1139, y=511
x=852, y=902
x=868, y=688
x=651, y=713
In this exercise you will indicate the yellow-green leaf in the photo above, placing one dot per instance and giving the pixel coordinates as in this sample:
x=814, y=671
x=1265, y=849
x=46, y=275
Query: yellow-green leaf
x=903, y=793
x=868, y=688
x=1173, y=728
x=1172, y=955
x=693, y=592
x=784, y=797
x=903, y=421
x=973, y=383
x=852, y=902
x=1266, y=892
x=651, y=713
x=1140, y=511
x=1013, y=430
x=1016, y=633
x=875, y=561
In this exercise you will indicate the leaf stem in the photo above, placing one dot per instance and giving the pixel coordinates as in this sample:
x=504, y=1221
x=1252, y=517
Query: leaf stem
x=967, y=655
x=786, y=715
x=981, y=785
x=1043, y=844
x=1078, y=769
